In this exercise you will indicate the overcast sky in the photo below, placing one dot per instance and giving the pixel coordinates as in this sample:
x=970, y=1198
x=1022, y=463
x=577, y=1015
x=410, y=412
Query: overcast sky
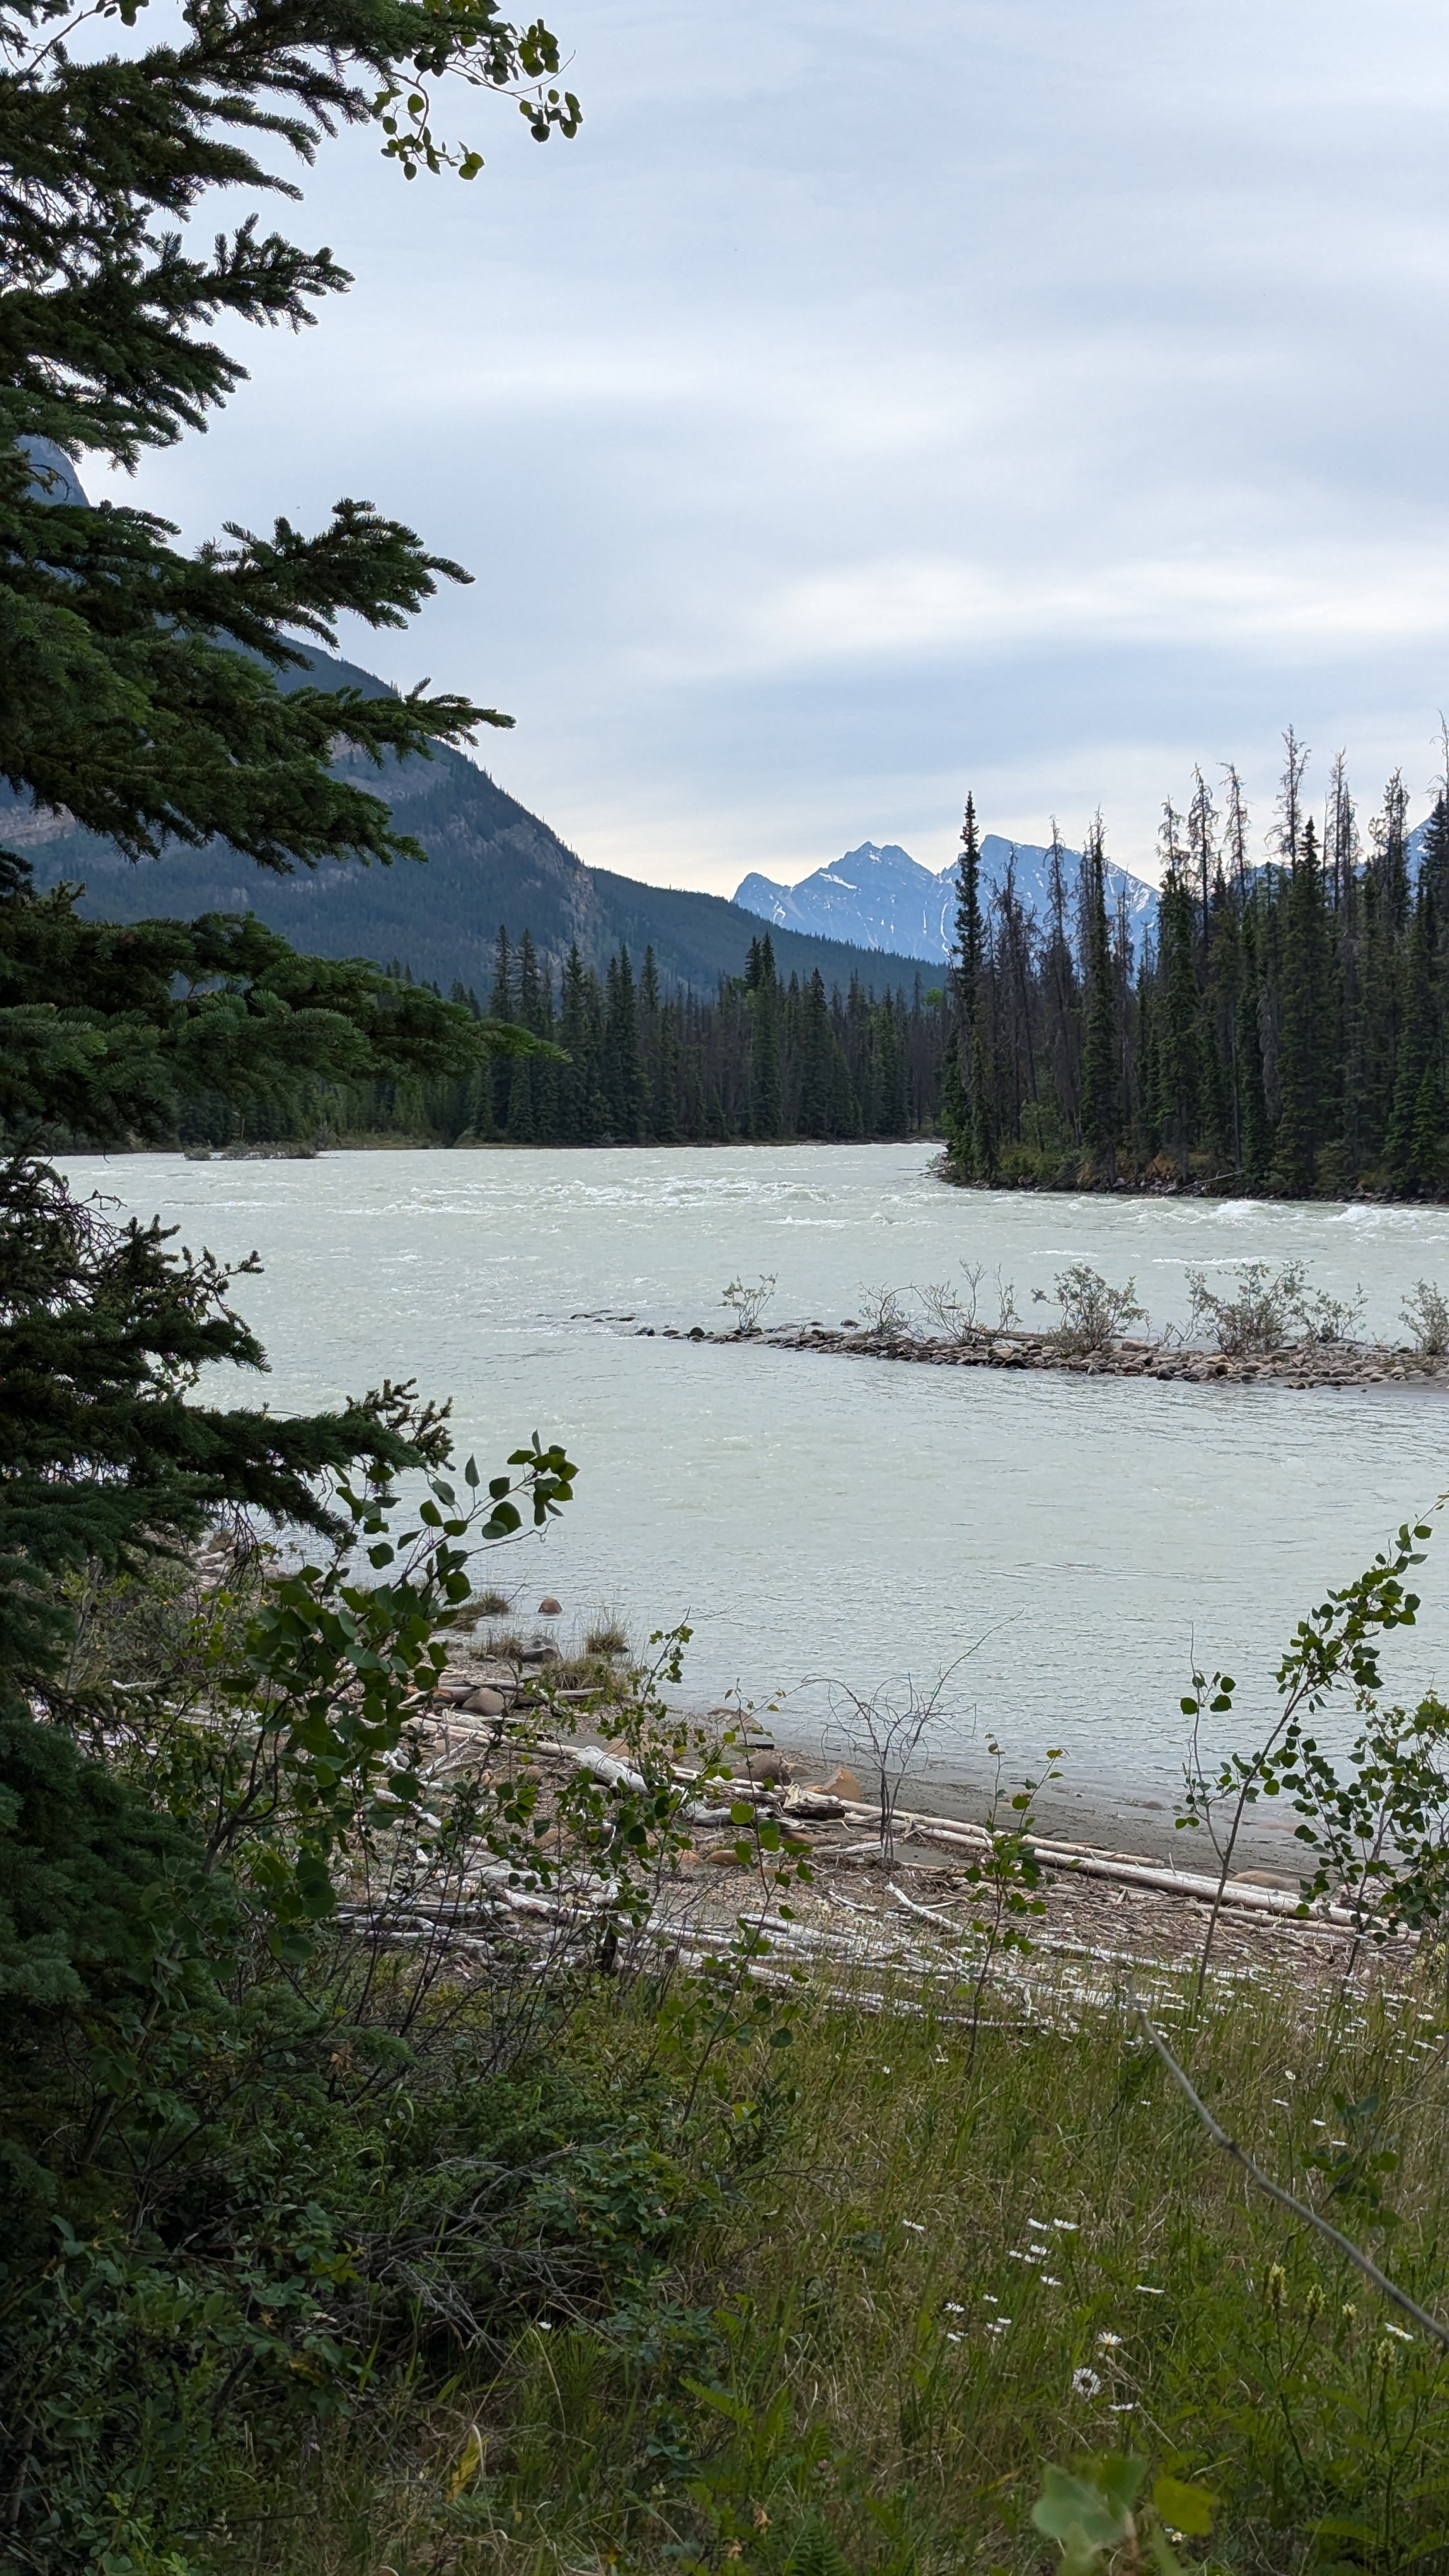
x=873, y=404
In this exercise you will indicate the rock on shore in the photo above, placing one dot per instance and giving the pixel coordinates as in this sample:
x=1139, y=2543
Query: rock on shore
x=1299, y=1364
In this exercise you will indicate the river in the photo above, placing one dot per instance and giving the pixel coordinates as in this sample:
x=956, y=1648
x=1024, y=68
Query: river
x=1066, y=1545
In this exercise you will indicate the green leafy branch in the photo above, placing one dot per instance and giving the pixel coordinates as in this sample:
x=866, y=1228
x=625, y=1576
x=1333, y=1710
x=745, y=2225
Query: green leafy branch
x=1335, y=1646
x=1094, y=2513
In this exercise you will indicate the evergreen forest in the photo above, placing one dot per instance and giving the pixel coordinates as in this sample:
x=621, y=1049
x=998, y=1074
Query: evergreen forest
x=618, y=1060
x=1283, y=1032
x=431, y=2141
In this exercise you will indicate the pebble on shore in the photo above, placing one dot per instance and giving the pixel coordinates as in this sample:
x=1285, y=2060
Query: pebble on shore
x=1333, y=1364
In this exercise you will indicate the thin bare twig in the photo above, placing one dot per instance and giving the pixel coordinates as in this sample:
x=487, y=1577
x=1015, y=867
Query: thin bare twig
x=1285, y=2199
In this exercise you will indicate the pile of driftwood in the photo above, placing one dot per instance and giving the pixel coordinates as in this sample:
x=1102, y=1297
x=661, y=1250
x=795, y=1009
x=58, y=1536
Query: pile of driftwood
x=880, y=1918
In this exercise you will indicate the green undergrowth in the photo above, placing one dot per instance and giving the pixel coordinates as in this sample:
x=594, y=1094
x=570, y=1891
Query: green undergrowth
x=841, y=2317
x=354, y=2220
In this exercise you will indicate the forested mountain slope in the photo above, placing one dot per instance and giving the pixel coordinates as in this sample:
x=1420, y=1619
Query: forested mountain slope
x=490, y=862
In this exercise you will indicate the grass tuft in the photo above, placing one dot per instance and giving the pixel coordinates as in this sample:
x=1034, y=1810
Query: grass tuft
x=606, y=1637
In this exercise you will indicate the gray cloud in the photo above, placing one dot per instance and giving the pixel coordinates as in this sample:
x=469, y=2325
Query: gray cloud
x=1033, y=398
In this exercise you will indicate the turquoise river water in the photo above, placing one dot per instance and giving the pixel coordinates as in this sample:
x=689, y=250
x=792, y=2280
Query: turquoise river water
x=1067, y=1545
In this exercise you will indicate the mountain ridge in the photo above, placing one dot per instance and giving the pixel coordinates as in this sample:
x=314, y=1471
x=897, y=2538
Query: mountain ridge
x=490, y=862
x=878, y=895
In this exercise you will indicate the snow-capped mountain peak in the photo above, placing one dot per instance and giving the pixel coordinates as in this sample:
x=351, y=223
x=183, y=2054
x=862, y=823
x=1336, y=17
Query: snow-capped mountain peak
x=879, y=897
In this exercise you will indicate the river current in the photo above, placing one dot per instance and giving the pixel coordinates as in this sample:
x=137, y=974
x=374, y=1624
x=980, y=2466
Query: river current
x=1068, y=1545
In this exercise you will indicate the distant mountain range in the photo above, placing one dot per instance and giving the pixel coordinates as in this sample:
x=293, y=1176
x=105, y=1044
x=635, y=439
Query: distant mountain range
x=490, y=862
x=880, y=897
x=876, y=913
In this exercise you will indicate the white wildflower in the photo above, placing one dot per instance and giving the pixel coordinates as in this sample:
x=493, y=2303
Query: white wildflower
x=1108, y=2340
x=1085, y=2383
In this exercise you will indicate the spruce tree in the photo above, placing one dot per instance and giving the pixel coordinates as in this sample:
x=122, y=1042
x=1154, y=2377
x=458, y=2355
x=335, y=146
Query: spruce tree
x=139, y=694
x=664, y=1098
x=137, y=684
x=521, y=1123
x=1305, y=1016
x=1219, y=1023
x=1178, y=1046
x=623, y=1068
x=966, y=1103
x=1062, y=1010
x=1101, y=1084
x=1145, y=1100
x=1412, y=1146
x=766, y=1118
x=1434, y=864
x=892, y=1106
x=817, y=1070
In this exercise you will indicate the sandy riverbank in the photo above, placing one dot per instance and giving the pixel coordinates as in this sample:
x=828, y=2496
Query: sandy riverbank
x=1113, y=1907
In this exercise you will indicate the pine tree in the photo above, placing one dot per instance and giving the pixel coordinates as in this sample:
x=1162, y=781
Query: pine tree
x=1385, y=920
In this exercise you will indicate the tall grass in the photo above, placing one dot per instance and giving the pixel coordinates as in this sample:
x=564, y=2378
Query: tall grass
x=902, y=2288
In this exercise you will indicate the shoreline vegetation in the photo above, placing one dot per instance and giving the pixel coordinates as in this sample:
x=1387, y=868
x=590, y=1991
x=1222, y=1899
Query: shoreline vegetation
x=1285, y=1021
x=713, y=2169
x=1367, y=1364
x=491, y=1704
x=421, y=2152
x=1281, y=1029
x=1270, y=1327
